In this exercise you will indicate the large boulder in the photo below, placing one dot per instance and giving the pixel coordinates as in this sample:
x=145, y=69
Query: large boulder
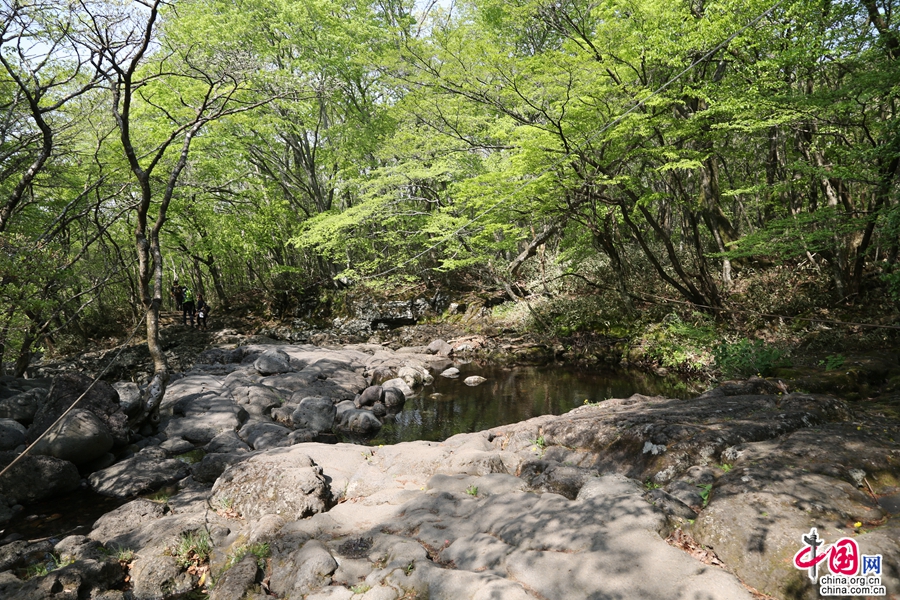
x=12, y=434
x=146, y=471
x=261, y=435
x=204, y=417
x=79, y=437
x=23, y=406
x=272, y=362
x=360, y=421
x=277, y=482
x=129, y=397
x=316, y=413
x=34, y=478
x=102, y=400
x=370, y=395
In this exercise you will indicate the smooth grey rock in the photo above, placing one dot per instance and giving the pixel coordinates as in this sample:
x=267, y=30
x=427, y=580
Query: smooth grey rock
x=176, y=445
x=272, y=362
x=370, y=395
x=359, y=421
x=264, y=435
x=451, y=373
x=211, y=466
x=303, y=571
x=205, y=417
x=257, y=399
x=670, y=504
x=144, y=472
x=439, y=347
x=79, y=437
x=279, y=482
x=411, y=375
x=233, y=584
x=316, y=413
x=394, y=399
x=126, y=518
x=129, y=397
x=12, y=434
x=474, y=380
x=399, y=384
x=227, y=441
x=23, y=406
x=157, y=576
x=102, y=400
x=36, y=477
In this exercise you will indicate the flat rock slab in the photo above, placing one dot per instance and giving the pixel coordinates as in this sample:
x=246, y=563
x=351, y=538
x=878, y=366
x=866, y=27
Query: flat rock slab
x=138, y=474
x=658, y=438
x=778, y=490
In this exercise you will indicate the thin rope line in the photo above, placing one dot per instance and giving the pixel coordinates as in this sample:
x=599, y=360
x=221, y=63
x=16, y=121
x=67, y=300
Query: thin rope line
x=589, y=139
x=68, y=410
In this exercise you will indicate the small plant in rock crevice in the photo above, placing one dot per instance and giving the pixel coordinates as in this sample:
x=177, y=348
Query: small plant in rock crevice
x=472, y=490
x=192, y=549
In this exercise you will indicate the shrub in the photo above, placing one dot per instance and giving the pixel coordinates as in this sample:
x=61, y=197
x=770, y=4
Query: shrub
x=745, y=358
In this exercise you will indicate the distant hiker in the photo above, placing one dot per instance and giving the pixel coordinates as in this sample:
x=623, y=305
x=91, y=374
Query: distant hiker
x=202, y=312
x=187, y=305
x=177, y=294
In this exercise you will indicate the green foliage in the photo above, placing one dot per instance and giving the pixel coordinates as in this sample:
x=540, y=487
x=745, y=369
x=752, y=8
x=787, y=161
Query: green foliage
x=472, y=490
x=260, y=550
x=705, y=490
x=678, y=343
x=833, y=362
x=726, y=467
x=192, y=548
x=745, y=358
x=651, y=485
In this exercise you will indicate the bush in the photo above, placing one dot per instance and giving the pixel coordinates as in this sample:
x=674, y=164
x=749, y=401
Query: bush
x=745, y=358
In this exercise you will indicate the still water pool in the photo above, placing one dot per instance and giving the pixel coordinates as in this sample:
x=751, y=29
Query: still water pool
x=510, y=395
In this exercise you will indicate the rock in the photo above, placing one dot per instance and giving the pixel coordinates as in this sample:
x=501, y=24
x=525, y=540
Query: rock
x=79, y=438
x=204, y=418
x=370, y=395
x=303, y=571
x=359, y=421
x=12, y=434
x=233, y=584
x=34, y=478
x=129, y=397
x=316, y=413
x=211, y=467
x=412, y=376
x=144, y=472
x=264, y=435
x=399, y=384
x=272, y=362
x=227, y=441
x=394, y=399
x=102, y=400
x=474, y=380
x=280, y=481
x=96, y=576
x=23, y=406
x=439, y=347
x=670, y=504
x=777, y=490
x=257, y=400
x=302, y=436
x=282, y=414
x=176, y=445
x=451, y=373
x=126, y=518
x=158, y=576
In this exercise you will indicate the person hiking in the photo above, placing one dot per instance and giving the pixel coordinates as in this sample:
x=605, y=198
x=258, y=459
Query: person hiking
x=177, y=294
x=187, y=306
x=202, y=312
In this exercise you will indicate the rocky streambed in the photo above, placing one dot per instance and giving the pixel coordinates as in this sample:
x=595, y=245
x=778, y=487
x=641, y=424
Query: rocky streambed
x=643, y=497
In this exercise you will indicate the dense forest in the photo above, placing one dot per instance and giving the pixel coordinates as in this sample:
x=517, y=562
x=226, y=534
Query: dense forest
x=632, y=149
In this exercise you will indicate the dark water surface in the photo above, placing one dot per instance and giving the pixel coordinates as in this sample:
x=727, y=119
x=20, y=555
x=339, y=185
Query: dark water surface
x=511, y=395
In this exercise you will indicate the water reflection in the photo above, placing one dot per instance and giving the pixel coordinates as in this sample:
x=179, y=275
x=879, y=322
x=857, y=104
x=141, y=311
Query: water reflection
x=510, y=395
